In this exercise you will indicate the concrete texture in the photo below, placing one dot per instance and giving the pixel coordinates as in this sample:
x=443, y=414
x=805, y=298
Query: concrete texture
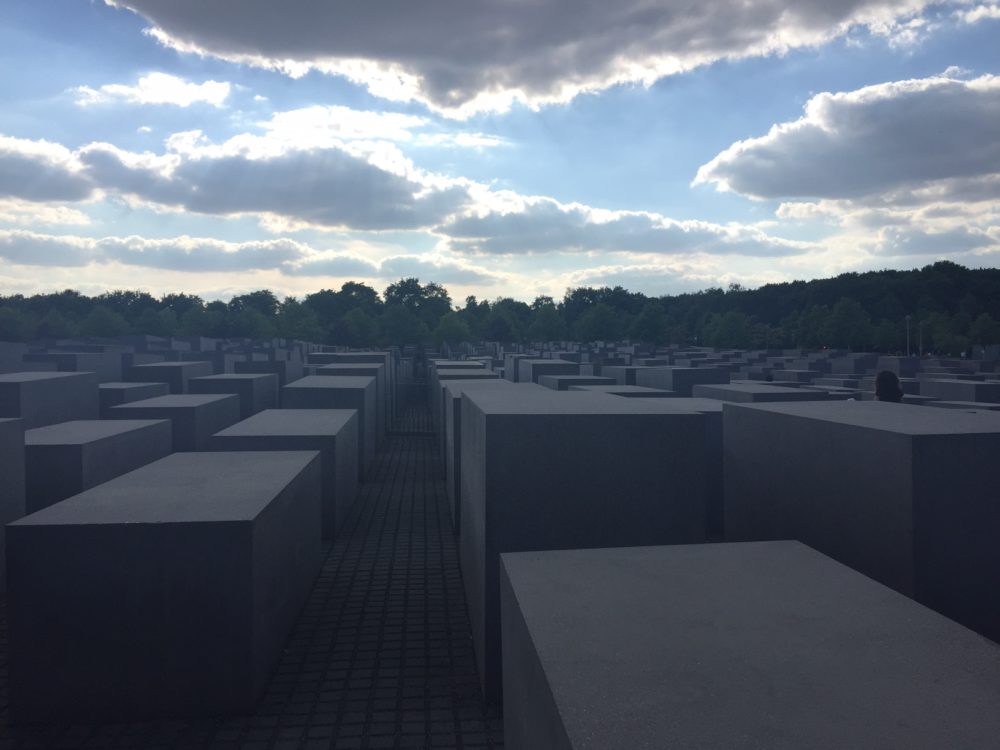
x=376, y=370
x=346, y=392
x=754, y=393
x=168, y=591
x=116, y=394
x=12, y=484
x=64, y=459
x=680, y=379
x=175, y=374
x=256, y=391
x=43, y=398
x=194, y=418
x=107, y=366
x=627, y=391
x=386, y=358
x=288, y=371
x=961, y=390
x=530, y=370
x=733, y=647
x=564, y=382
x=331, y=432
x=553, y=470
x=900, y=493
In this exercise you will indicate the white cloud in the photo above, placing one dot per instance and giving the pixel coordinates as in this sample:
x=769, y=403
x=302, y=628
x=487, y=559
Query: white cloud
x=542, y=225
x=891, y=137
x=23, y=212
x=981, y=12
x=460, y=58
x=157, y=88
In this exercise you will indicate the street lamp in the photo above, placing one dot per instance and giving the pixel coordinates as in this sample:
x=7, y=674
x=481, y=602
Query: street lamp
x=908, y=335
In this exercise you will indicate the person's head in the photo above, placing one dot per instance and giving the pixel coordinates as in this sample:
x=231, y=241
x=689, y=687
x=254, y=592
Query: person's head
x=887, y=387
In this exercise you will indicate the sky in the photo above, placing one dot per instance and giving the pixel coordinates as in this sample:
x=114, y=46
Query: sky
x=509, y=148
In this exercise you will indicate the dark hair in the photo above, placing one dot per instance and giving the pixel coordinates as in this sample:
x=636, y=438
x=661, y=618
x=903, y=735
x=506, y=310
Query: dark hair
x=887, y=387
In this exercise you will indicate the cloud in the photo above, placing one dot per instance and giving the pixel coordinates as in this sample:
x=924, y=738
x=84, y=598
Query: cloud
x=156, y=88
x=394, y=267
x=542, y=225
x=18, y=211
x=327, y=187
x=460, y=58
x=333, y=265
x=40, y=171
x=176, y=254
x=891, y=137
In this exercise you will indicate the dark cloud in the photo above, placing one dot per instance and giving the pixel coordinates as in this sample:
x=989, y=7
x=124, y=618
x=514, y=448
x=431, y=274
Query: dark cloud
x=38, y=171
x=898, y=242
x=545, y=226
x=450, y=52
x=31, y=249
x=893, y=138
x=326, y=187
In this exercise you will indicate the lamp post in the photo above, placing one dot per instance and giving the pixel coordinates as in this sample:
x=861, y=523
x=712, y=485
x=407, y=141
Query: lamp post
x=920, y=336
x=907, y=335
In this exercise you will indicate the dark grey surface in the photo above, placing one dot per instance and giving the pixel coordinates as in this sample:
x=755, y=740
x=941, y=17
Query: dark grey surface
x=175, y=374
x=168, y=591
x=42, y=398
x=288, y=371
x=961, y=390
x=64, y=459
x=565, y=382
x=756, y=393
x=116, y=394
x=546, y=469
x=194, y=417
x=733, y=647
x=903, y=494
x=256, y=391
x=12, y=482
x=530, y=370
x=332, y=432
x=345, y=392
x=680, y=379
x=373, y=369
x=628, y=391
x=107, y=366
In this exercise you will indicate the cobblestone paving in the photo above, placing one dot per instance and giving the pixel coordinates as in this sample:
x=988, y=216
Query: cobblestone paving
x=381, y=656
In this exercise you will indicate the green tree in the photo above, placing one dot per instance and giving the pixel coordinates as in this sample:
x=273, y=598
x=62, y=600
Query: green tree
x=650, y=324
x=452, y=329
x=401, y=326
x=157, y=323
x=103, y=321
x=355, y=328
x=295, y=320
x=17, y=325
x=848, y=325
x=601, y=323
x=984, y=330
x=547, y=324
x=262, y=301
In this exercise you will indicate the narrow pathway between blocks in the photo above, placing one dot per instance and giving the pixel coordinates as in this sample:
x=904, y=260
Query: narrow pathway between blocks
x=381, y=656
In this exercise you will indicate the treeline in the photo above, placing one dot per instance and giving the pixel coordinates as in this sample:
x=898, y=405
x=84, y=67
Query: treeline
x=947, y=307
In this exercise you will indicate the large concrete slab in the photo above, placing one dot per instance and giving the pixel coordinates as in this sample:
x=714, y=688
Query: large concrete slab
x=901, y=494
x=530, y=370
x=168, y=591
x=107, y=366
x=376, y=370
x=116, y=394
x=548, y=469
x=387, y=358
x=331, y=432
x=288, y=371
x=12, y=482
x=42, y=398
x=194, y=417
x=256, y=391
x=756, y=393
x=565, y=382
x=681, y=380
x=346, y=392
x=733, y=647
x=175, y=374
x=627, y=391
x=961, y=390
x=62, y=460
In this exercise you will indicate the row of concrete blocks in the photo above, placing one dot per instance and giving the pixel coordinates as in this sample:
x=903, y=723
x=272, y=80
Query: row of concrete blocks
x=901, y=494
x=192, y=565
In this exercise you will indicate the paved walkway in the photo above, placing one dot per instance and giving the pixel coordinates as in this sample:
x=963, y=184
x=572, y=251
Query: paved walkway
x=381, y=656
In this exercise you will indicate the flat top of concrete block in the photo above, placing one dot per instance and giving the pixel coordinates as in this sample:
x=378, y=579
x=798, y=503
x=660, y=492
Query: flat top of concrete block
x=181, y=488
x=764, y=388
x=456, y=388
x=28, y=377
x=613, y=389
x=345, y=381
x=458, y=364
x=82, y=431
x=176, y=401
x=181, y=364
x=549, y=402
x=759, y=645
x=352, y=366
x=291, y=422
x=881, y=415
x=238, y=376
x=125, y=386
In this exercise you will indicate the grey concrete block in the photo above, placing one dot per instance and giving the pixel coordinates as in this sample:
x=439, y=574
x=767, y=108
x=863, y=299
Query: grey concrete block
x=12, y=482
x=65, y=459
x=194, y=417
x=627, y=391
x=41, y=398
x=376, y=370
x=756, y=393
x=175, y=374
x=899, y=493
x=729, y=646
x=256, y=391
x=679, y=379
x=544, y=469
x=107, y=366
x=565, y=382
x=530, y=370
x=168, y=591
x=347, y=392
x=332, y=432
x=116, y=394
x=961, y=390
x=288, y=371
